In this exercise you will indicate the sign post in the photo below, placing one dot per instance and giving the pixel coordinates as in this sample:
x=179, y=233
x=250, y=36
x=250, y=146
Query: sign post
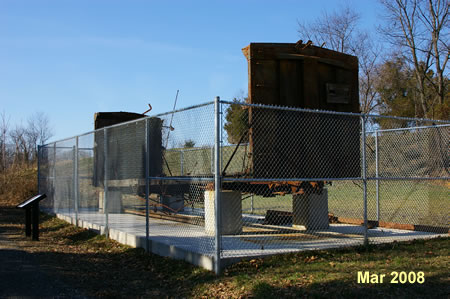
x=31, y=207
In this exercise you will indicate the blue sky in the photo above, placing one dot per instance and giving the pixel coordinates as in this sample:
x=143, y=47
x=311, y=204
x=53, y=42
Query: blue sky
x=71, y=59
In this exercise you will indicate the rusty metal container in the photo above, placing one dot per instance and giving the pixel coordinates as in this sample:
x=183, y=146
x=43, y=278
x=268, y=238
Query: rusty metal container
x=129, y=139
x=285, y=144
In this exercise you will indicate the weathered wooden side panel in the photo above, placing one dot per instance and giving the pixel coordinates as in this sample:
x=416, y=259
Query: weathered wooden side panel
x=297, y=144
x=288, y=75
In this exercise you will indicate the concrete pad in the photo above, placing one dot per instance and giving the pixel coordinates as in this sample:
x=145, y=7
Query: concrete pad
x=191, y=242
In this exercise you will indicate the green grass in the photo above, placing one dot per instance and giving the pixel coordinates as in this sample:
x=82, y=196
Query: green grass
x=406, y=202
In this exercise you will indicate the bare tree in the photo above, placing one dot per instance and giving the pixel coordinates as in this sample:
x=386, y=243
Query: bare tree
x=4, y=127
x=40, y=123
x=435, y=18
x=420, y=29
x=31, y=136
x=21, y=150
x=23, y=139
x=333, y=30
x=339, y=31
x=368, y=52
x=38, y=132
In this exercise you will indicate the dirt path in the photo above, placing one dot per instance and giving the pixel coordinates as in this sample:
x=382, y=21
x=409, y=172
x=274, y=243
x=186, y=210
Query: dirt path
x=22, y=274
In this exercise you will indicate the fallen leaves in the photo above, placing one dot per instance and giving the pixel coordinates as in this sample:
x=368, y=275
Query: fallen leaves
x=101, y=267
x=310, y=259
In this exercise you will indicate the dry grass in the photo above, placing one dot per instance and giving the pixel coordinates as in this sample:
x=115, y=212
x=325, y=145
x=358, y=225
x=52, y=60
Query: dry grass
x=17, y=183
x=99, y=267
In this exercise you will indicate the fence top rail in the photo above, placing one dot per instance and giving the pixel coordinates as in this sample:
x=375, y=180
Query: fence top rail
x=129, y=122
x=409, y=118
x=410, y=128
x=285, y=108
x=184, y=109
x=191, y=149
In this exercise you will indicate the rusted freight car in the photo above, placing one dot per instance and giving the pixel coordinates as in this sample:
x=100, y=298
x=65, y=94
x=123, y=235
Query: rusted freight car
x=129, y=139
x=293, y=144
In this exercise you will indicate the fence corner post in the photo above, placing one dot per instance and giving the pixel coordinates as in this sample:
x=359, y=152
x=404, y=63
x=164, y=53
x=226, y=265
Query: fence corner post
x=75, y=179
x=217, y=185
x=105, y=180
x=39, y=148
x=147, y=186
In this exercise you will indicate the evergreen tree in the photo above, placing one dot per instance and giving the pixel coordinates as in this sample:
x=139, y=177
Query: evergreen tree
x=236, y=122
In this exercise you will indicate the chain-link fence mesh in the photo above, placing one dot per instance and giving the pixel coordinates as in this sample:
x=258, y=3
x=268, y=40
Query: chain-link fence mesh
x=289, y=180
x=293, y=172
x=409, y=172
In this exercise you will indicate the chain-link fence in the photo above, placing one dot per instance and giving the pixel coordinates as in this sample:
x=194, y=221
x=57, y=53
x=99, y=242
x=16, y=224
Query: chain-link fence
x=220, y=181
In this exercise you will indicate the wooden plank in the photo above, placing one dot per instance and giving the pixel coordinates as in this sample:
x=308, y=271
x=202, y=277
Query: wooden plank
x=296, y=144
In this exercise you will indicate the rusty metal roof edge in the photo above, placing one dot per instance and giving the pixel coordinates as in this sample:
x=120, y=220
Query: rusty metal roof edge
x=287, y=45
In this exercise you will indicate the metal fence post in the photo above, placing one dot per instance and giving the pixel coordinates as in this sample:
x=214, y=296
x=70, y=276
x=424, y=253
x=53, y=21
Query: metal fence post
x=364, y=176
x=105, y=180
x=217, y=184
x=147, y=185
x=54, y=178
x=377, y=180
x=75, y=179
x=39, y=168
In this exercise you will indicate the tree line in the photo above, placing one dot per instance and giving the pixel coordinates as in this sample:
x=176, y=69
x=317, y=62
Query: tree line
x=403, y=67
x=18, y=144
x=402, y=63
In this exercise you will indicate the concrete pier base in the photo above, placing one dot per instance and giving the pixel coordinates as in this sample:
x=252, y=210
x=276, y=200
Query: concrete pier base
x=113, y=203
x=231, y=212
x=310, y=210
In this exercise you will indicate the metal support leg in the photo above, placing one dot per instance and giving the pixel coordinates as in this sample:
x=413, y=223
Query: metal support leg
x=35, y=211
x=28, y=221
